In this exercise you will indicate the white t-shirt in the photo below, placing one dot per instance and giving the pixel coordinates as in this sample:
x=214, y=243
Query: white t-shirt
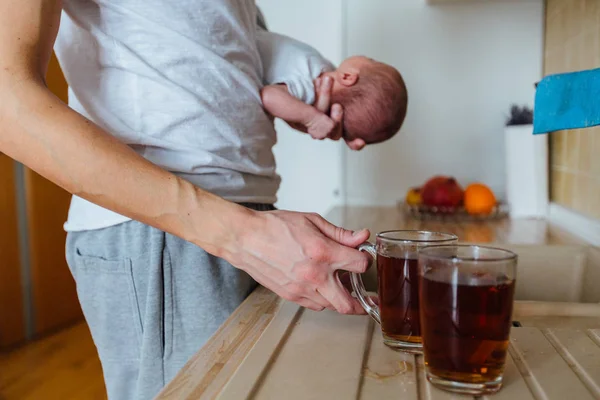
x=179, y=82
x=293, y=63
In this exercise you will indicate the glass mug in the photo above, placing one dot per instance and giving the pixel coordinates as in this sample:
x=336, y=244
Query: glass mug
x=466, y=312
x=397, y=311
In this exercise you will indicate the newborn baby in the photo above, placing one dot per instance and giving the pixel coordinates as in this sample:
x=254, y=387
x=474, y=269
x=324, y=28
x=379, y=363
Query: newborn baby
x=373, y=95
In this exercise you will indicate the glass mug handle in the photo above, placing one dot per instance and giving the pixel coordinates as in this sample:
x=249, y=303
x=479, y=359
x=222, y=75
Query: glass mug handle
x=359, y=287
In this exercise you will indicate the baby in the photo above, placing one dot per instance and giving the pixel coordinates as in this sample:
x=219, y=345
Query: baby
x=373, y=95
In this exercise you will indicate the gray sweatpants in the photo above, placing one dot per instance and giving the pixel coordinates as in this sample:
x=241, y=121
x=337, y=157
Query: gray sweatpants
x=151, y=301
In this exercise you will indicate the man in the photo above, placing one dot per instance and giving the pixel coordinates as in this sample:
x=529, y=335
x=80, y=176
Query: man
x=168, y=152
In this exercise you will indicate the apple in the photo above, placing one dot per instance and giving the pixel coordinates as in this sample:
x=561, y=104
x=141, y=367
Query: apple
x=442, y=191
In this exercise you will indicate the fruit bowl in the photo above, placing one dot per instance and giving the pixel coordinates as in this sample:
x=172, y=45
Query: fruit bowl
x=423, y=212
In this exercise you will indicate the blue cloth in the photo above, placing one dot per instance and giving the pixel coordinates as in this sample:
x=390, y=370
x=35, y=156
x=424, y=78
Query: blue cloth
x=567, y=101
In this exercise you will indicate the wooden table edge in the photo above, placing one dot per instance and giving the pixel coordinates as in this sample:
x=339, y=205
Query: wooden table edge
x=207, y=371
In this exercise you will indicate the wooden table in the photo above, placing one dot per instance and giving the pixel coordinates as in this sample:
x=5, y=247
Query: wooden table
x=208, y=371
x=308, y=355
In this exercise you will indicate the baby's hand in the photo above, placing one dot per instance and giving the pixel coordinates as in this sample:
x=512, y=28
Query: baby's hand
x=320, y=126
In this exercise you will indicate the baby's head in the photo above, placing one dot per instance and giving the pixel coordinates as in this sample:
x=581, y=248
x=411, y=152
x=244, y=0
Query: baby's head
x=373, y=96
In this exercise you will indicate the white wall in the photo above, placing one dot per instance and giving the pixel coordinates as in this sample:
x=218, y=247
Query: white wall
x=464, y=65
x=308, y=185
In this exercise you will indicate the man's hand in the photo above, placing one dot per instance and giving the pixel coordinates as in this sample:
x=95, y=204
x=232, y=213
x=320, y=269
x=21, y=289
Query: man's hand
x=324, y=88
x=298, y=256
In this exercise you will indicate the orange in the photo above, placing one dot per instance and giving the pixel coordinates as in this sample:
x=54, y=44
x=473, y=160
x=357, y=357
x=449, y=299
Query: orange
x=479, y=199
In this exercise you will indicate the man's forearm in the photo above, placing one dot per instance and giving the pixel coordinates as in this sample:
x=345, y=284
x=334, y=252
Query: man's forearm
x=281, y=104
x=40, y=131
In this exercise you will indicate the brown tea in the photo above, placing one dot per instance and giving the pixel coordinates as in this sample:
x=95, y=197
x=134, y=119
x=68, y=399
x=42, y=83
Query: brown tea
x=398, y=280
x=466, y=322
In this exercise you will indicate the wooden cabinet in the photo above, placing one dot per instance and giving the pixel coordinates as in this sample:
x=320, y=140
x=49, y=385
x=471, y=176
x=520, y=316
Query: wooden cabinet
x=49, y=300
x=56, y=81
x=12, y=318
x=53, y=295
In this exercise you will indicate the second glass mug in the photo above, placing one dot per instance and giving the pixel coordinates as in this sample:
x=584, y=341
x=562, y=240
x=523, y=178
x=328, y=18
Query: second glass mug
x=397, y=311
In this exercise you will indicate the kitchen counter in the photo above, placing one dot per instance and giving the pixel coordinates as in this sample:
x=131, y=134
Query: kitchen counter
x=208, y=371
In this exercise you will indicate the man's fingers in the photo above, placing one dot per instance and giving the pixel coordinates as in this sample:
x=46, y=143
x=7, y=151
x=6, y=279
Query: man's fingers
x=357, y=307
x=343, y=236
x=337, y=115
x=324, y=98
x=311, y=305
x=356, y=144
x=319, y=300
x=339, y=297
x=351, y=260
x=299, y=294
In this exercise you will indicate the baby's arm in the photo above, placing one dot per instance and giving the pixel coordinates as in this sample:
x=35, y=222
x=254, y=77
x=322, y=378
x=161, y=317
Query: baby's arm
x=281, y=104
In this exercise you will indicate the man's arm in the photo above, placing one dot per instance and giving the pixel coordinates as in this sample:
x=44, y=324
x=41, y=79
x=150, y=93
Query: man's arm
x=60, y=144
x=296, y=255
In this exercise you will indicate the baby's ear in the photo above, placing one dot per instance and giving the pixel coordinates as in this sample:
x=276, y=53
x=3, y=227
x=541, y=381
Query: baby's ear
x=348, y=78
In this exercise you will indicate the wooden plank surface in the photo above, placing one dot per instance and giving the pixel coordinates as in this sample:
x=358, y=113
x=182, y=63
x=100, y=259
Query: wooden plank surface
x=12, y=320
x=307, y=355
x=427, y=391
x=247, y=378
x=386, y=371
x=547, y=374
x=514, y=385
x=323, y=352
x=325, y=349
x=210, y=369
x=582, y=354
x=344, y=358
x=205, y=375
